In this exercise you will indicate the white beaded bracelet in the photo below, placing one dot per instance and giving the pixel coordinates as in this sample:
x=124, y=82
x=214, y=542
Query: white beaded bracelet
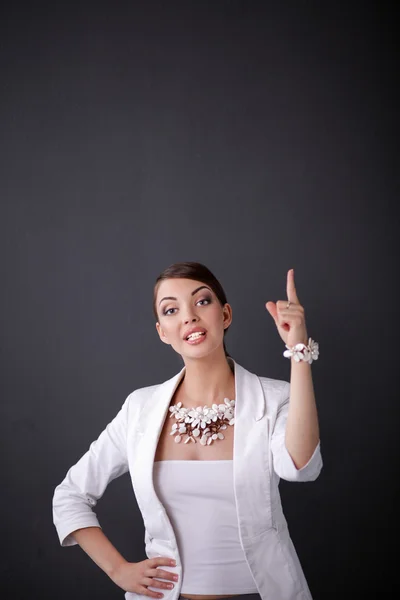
x=302, y=352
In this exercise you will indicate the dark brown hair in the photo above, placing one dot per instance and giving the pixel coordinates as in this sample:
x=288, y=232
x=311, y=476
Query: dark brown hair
x=195, y=271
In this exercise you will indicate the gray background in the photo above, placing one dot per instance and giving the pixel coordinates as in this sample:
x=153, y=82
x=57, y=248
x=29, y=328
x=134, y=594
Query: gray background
x=253, y=137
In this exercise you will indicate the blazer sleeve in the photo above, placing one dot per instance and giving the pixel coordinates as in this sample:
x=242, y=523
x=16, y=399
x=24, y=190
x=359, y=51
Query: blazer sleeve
x=283, y=462
x=86, y=481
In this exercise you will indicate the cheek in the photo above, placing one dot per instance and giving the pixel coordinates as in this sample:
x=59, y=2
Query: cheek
x=171, y=331
x=216, y=316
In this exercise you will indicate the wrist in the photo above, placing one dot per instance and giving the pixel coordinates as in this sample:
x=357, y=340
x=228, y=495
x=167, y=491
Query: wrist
x=114, y=569
x=291, y=344
x=297, y=337
x=303, y=352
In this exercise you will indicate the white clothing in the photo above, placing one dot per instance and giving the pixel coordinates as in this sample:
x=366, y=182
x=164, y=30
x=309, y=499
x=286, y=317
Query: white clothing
x=260, y=458
x=198, y=496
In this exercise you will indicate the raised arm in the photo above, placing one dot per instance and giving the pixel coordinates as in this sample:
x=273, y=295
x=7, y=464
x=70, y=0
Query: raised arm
x=296, y=436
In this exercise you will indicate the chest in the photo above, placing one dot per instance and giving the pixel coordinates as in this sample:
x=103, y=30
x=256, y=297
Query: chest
x=168, y=449
x=246, y=444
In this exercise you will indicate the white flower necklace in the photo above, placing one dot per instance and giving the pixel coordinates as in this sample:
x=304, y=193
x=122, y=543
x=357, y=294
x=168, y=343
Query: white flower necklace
x=205, y=422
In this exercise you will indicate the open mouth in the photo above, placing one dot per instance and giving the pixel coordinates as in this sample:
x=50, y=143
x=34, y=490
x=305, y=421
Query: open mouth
x=194, y=337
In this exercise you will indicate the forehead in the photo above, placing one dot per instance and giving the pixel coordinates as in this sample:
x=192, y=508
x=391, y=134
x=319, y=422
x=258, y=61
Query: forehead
x=178, y=287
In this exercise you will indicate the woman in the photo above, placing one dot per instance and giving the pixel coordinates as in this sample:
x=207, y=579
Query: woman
x=207, y=481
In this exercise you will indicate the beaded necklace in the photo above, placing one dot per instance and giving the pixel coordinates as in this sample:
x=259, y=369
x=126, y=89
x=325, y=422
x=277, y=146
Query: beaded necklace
x=204, y=422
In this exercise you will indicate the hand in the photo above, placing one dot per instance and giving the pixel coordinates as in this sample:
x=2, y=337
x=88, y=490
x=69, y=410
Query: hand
x=290, y=322
x=136, y=577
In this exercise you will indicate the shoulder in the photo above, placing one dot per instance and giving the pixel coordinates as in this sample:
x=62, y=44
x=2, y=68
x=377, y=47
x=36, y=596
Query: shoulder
x=274, y=385
x=134, y=402
x=275, y=390
x=139, y=396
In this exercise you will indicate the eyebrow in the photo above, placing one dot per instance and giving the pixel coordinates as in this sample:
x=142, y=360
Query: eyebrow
x=193, y=293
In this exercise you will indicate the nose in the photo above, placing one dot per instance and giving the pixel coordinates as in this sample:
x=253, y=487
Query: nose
x=190, y=317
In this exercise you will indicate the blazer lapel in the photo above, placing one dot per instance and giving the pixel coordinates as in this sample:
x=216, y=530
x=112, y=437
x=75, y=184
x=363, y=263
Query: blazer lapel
x=249, y=409
x=151, y=421
x=250, y=456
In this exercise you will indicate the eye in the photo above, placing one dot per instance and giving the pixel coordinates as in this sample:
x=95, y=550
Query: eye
x=166, y=312
x=208, y=300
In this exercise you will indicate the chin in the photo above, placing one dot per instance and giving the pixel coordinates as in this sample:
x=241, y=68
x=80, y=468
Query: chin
x=199, y=352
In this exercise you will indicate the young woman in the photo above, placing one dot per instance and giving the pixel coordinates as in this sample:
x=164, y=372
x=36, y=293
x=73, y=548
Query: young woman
x=205, y=451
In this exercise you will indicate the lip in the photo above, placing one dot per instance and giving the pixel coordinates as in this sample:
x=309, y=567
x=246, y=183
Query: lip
x=197, y=341
x=193, y=330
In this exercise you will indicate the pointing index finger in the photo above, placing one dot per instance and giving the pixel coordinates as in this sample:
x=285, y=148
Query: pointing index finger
x=291, y=288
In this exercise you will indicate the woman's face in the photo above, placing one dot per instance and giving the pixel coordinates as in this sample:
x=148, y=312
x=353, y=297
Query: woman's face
x=184, y=305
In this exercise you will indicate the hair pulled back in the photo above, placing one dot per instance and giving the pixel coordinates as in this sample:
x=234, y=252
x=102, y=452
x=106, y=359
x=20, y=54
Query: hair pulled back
x=195, y=271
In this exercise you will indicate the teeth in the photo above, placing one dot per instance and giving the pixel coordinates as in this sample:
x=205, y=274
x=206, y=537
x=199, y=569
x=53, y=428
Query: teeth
x=194, y=336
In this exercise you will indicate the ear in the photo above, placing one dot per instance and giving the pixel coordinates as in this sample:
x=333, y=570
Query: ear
x=161, y=333
x=227, y=314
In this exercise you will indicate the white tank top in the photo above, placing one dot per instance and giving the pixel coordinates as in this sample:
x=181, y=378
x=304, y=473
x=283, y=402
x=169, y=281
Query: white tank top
x=198, y=496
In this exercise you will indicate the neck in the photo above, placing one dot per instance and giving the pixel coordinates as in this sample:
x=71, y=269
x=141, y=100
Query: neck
x=207, y=381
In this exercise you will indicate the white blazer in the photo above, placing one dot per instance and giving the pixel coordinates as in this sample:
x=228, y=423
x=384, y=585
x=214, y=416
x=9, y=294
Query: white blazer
x=260, y=458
